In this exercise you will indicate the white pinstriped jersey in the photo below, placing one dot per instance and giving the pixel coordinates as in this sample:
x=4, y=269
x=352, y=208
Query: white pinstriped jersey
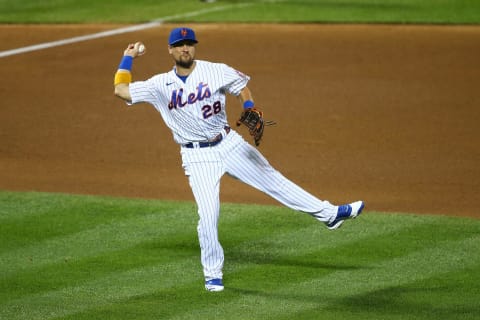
x=194, y=110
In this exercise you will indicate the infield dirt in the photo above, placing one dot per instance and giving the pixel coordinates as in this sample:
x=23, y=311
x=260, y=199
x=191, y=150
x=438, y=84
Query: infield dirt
x=387, y=114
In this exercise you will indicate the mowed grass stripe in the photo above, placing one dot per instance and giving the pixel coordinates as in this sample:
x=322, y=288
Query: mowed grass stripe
x=276, y=259
x=354, y=291
x=102, y=238
x=105, y=290
x=116, y=229
x=331, y=290
x=77, y=271
x=248, y=270
x=72, y=299
x=36, y=217
x=56, y=257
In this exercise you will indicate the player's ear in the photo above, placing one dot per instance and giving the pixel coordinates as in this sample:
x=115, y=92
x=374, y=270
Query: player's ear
x=170, y=49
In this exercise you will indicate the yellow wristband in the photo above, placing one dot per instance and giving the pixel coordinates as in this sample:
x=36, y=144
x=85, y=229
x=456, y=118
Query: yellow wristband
x=122, y=76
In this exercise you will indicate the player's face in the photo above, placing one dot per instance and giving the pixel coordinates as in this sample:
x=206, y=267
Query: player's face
x=183, y=53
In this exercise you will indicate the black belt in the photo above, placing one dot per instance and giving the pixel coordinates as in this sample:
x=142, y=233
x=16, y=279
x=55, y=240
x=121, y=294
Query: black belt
x=210, y=143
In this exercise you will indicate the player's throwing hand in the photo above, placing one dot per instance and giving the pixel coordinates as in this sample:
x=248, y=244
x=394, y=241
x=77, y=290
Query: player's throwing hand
x=135, y=49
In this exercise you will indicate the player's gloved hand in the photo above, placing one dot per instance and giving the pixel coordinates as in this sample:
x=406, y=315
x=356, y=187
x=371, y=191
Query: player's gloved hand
x=252, y=118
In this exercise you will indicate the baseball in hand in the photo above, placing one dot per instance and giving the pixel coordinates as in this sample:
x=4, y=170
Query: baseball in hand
x=141, y=49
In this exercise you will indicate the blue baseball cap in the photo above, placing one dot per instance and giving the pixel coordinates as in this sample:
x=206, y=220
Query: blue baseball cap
x=181, y=34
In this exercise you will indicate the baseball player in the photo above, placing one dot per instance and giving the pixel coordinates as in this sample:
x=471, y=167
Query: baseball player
x=191, y=101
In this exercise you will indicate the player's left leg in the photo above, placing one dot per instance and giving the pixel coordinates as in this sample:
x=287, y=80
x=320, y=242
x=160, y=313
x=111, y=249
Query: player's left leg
x=247, y=164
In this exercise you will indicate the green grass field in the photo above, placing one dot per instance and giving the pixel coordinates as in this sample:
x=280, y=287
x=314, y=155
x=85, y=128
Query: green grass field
x=86, y=257
x=352, y=11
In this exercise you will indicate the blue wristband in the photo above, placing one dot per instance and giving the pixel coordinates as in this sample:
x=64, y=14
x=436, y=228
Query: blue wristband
x=126, y=63
x=248, y=104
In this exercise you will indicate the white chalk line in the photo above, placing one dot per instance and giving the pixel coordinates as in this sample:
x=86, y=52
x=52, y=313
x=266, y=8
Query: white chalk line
x=144, y=26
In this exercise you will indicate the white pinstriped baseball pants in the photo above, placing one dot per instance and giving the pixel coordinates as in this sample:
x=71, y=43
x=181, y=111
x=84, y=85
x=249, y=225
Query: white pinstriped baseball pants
x=204, y=168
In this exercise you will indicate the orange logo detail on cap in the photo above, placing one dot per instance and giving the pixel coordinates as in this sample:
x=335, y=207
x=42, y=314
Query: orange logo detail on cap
x=184, y=32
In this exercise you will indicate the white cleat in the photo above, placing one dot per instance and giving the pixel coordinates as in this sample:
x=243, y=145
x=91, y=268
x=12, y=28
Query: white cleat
x=346, y=211
x=214, y=285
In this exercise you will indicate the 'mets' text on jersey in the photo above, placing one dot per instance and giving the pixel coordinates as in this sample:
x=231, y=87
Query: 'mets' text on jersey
x=177, y=95
x=195, y=109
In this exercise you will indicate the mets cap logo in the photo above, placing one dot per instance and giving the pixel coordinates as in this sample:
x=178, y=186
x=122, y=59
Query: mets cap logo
x=184, y=32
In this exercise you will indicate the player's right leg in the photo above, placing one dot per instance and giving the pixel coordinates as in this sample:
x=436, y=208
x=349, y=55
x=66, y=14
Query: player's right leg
x=204, y=172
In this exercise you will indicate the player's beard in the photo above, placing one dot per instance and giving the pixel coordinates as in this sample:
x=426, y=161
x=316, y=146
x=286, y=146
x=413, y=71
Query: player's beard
x=184, y=61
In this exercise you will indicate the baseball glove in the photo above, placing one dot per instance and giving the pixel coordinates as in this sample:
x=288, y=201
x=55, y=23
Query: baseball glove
x=252, y=118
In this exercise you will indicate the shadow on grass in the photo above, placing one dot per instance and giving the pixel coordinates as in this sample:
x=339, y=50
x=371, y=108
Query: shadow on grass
x=305, y=261
x=428, y=302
